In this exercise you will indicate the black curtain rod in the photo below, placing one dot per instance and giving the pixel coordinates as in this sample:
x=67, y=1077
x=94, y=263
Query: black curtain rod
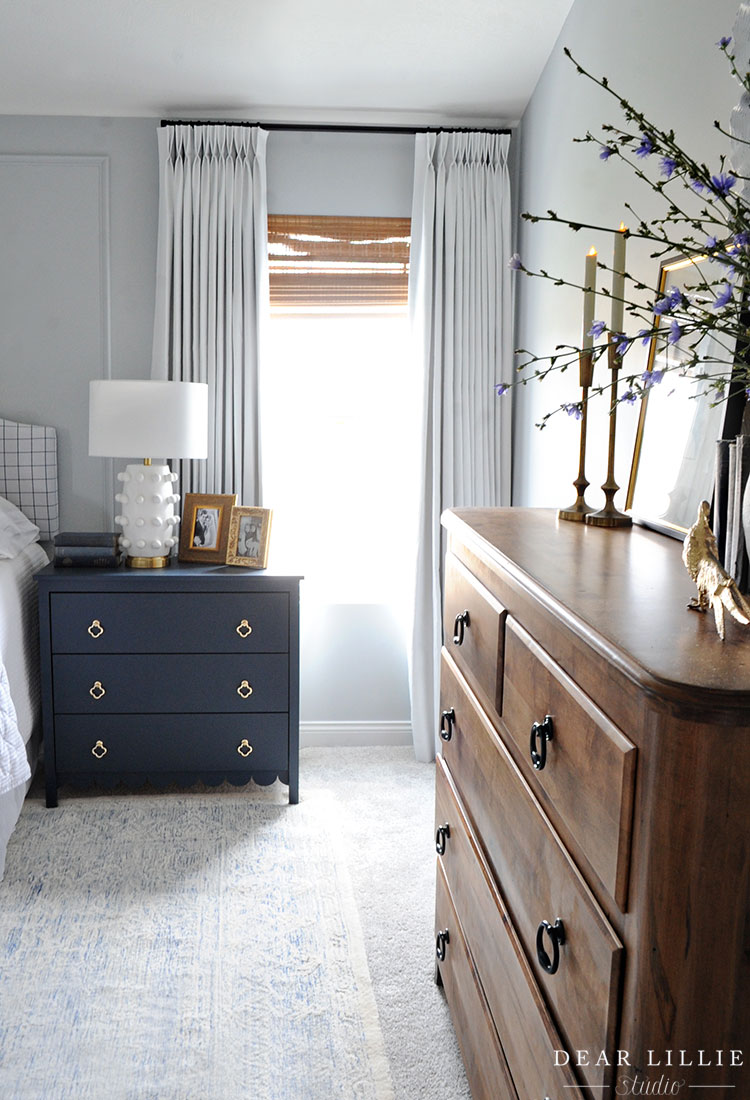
x=335, y=129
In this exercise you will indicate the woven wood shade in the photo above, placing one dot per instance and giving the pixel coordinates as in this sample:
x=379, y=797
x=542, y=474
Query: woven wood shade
x=330, y=262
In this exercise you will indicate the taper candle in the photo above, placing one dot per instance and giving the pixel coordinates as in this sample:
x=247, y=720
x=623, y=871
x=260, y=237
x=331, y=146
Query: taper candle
x=589, y=298
x=618, y=279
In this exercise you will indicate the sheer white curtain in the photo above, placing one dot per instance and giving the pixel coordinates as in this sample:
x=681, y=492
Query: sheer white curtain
x=212, y=291
x=460, y=303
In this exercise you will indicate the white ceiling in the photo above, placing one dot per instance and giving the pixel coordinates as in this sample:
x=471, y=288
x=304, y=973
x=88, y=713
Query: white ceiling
x=379, y=61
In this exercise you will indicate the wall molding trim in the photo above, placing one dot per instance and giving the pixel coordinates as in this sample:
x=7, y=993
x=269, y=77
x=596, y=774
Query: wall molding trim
x=82, y=178
x=341, y=734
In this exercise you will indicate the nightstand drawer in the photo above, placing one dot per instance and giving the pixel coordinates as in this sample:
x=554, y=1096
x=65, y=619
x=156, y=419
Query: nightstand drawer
x=178, y=743
x=169, y=622
x=585, y=774
x=473, y=624
x=486, y=1067
x=526, y=1029
x=537, y=879
x=134, y=684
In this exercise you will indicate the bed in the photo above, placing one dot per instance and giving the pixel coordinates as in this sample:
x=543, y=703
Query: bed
x=28, y=519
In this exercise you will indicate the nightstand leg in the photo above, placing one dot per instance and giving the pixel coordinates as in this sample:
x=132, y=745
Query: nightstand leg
x=51, y=791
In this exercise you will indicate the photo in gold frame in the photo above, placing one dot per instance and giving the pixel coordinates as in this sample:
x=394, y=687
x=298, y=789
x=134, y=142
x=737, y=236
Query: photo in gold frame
x=249, y=537
x=204, y=531
x=673, y=463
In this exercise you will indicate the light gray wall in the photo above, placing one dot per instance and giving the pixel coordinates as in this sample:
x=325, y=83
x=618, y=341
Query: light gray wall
x=662, y=55
x=331, y=173
x=78, y=223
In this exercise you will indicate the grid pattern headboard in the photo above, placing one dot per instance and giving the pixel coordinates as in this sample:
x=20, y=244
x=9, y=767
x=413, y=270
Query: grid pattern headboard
x=28, y=473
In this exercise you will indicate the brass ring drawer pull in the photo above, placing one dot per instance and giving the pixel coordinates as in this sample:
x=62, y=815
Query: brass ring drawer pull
x=99, y=750
x=245, y=690
x=95, y=629
x=244, y=748
x=96, y=691
x=556, y=933
x=244, y=629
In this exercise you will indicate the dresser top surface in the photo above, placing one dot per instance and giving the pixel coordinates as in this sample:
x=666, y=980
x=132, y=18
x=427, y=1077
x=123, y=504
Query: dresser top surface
x=178, y=576
x=625, y=589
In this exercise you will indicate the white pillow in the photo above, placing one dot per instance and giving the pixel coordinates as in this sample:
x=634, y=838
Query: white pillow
x=16, y=530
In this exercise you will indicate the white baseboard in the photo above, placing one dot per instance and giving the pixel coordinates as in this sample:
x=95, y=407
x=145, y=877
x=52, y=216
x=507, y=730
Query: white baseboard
x=334, y=734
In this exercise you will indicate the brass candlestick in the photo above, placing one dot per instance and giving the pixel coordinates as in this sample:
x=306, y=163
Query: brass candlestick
x=609, y=516
x=580, y=509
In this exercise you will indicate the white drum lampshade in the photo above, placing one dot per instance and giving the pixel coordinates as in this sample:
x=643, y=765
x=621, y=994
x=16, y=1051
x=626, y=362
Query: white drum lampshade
x=148, y=419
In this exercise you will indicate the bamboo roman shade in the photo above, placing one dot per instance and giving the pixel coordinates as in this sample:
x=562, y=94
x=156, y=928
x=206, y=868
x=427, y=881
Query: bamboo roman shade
x=330, y=262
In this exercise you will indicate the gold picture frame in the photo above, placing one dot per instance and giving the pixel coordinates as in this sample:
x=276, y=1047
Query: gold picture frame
x=204, y=533
x=249, y=536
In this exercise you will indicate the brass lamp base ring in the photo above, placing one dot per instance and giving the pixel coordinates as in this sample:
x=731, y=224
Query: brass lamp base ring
x=158, y=562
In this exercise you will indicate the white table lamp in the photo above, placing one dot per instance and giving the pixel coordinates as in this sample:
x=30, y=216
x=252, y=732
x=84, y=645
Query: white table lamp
x=129, y=418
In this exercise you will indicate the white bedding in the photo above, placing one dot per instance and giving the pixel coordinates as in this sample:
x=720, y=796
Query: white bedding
x=20, y=723
x=14, y=766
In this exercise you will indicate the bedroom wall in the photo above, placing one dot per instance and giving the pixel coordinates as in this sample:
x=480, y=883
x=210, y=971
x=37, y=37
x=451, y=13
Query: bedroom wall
x=663, y=56
x=78, y=209
x=78, y=222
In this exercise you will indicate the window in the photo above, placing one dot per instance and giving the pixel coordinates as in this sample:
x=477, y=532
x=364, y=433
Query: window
x=338, y=427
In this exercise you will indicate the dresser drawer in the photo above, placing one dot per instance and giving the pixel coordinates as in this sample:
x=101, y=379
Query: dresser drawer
x=177, y=743
x=169, y=622
x=587, y=779
x=203, y=683
x=484, y=1061
x=527, y=1032
x=473, y=624
x=536, y=877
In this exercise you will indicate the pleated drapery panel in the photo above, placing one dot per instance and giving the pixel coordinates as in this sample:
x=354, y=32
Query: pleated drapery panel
x=212, y=292
x=461, y=309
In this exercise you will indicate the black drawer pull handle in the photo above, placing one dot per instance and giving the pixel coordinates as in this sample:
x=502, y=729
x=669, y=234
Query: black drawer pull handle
x=556, y=933
x=447, y=718
x=443, y=833
x=459, y=625
x=542, y=731
x=441, y=941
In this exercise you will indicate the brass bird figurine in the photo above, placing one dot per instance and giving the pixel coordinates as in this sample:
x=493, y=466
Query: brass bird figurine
x=716, y=588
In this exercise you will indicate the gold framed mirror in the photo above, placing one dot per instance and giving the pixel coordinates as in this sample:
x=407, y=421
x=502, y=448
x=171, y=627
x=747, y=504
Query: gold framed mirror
x=673, y=464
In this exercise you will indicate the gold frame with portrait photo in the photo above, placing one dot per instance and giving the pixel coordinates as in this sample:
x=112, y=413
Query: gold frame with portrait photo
x=204, y=532
x=249, y=530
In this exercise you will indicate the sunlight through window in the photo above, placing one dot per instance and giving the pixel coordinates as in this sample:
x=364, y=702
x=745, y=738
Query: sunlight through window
x=339, y=431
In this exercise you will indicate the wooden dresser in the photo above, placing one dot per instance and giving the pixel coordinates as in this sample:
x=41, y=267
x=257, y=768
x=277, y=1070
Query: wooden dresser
x=592, y=816
x=169, y=675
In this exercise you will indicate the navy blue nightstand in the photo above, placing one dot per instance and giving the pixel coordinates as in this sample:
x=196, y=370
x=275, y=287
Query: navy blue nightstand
x=169, y=676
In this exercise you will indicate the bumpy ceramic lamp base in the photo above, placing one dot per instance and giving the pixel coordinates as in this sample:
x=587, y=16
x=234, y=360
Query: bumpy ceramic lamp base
x=147, y=515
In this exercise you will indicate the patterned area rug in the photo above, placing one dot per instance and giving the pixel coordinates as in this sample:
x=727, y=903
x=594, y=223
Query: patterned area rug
x=201, y=946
